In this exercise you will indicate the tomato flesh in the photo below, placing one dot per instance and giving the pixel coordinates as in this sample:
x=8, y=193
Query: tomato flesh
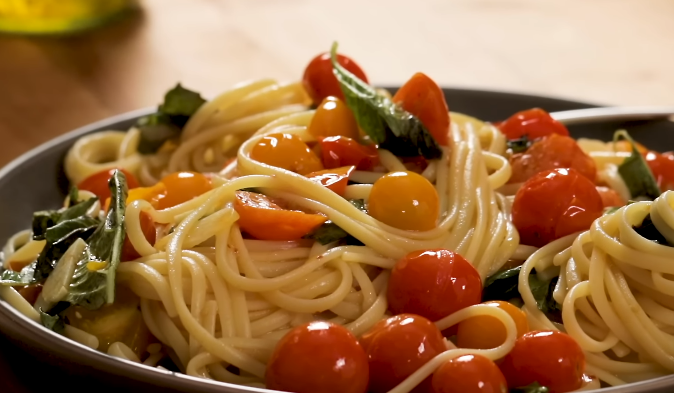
x=486, y=332
x=433, y=284
x=129, y=253
x=320, y=82
x=339, y=151
x=333, y=118
x=286, y=151
x=469, y=374
x=662, y=167
x=318, y=357
x=98, y=183
x=553, y=204
x=533, y=123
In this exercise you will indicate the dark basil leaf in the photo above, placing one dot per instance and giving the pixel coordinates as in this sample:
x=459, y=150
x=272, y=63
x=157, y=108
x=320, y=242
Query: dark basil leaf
x=53, y=322
x=386, y=123
x=519, y=145
x=181, y=102
x=635, y=172
x=43, y=220
x=330, y=232
x=648, y=230
x=24, y=277
x=73, y=196
x=155, y=130
x=533, y=388
x=65, y=229
x=77, y=210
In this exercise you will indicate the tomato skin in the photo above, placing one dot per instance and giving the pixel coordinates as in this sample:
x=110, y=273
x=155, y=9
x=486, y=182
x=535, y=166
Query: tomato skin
x=398, y=346
x=333, y=118
x=182, y=187
x=318, y=357
x=662, y=167
x=551, y=358
x=423, y=98
x=609, y=197
x=485, y=332
x=534, y=123
x=286, y=151
x=264, y=219
x=553, y=204
x=319, y=80
x=338, y=151
x=433, y=284
x=129, y=253
x=98, y=183
x=335, y=179
x=405, y=200
x=469, y=374
x=30, y=292
x=553, y=151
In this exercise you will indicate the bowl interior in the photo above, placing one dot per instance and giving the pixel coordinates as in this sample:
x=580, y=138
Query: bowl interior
x=37, y=357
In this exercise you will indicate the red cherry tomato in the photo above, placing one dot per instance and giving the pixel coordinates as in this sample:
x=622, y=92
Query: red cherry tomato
x=662, y=166
x=609, y=197
x=423, y=98
x=129, y=253
x=553, y=204
x=320, y=82
x=399, y=346
x=182, y=187
x=433, y=284
x=318, y=357
x=551, y=358
x=553, y=151
x=534, y=123
x=338, y=151
x=98, y=183
x=469, y=374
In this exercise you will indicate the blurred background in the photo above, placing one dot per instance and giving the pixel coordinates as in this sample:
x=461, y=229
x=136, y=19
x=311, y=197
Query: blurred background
x=612, y=52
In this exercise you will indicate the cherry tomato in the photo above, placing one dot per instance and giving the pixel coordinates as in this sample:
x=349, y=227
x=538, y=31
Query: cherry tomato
x=318, y=357
x=415, y=164
x=551, y=358
x=265, y=219
x=433, y=284
x=469, y=374
x=151, y=194
x=182, y=187
x=338, y=151
x=534, y=123
x=609, y=197
x=286, y=151
x=486, y=332
x=553, y=204
x=333, y=118
x=662, y=166
x=98, y=182
x=335, y=179
x=399, y=346
x=30, y=292
x=423, y=98
x=551, y=152
x=405, y=200
x=129, y=253
x=320, y=82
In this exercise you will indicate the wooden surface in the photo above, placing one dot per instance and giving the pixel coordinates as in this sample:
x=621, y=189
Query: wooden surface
x=616, y=52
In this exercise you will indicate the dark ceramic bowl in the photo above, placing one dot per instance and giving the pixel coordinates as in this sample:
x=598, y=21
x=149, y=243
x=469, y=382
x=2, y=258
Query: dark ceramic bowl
x=44, y=361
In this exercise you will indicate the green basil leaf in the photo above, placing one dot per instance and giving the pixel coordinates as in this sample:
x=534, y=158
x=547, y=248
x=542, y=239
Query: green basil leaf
x=73, y=196
x=635, y=172
x=330, y=232
x=155, y=130
x=65, y=229
x=181, y=102
x=54, y=322
x=532, y=388
x=24, y=277
x=386, y=123
x=648, y=230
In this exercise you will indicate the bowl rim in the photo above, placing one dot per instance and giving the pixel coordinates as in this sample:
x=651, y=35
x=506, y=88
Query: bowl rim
x=15, y=325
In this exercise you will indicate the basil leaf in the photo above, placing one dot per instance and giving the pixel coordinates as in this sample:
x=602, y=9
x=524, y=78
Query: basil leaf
x=648, y=230
x=155, y=130
x=68, y=228
x=330, y=232
x=73, y=196
x=92, y=289
x=386, y=123
x=519, y=145
x=24, y=277
x=180, y=103
x=532, y=388
x=635, y=172
x=54, y=319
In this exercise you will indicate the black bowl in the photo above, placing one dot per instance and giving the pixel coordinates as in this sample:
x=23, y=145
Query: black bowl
x=42, y=360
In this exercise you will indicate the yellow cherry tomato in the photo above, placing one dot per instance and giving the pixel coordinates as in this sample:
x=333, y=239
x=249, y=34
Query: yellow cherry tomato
x=486, y=332
x=333, y=118
x=286, y=151
x=405, y=200
x=182, y=187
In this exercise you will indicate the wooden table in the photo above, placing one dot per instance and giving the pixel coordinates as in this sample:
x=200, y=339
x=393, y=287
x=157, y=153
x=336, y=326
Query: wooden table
x=605, y=51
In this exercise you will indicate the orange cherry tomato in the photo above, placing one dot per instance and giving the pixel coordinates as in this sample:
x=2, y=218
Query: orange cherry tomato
x=335, y=179
x=553, y=151
x=98, y=183
x=30, y=292
x=534, y=123
x=399, y=346
x=129, y=253
x=338, y=151
x=151, y=194
x=319, y=80
x=469, y=374
x=405, y=200
x=551, y=358
x=182, y=187
x=433, y=284
x=262, y=218
x=553, y=204
x=486, y=332
x=318, y=357
x=609, y=197
x=662, y=167
x=423, y=98
x=286, y=151
x=333, y=118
